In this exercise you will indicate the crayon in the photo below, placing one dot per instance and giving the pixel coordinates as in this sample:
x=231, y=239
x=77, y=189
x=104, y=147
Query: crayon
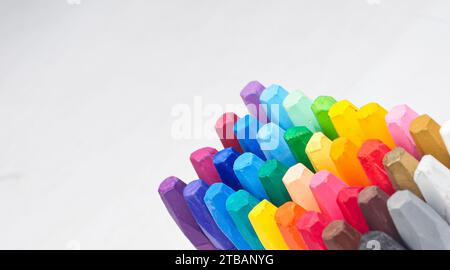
x=445, y=134
x=398, y=120
x=271, y=174
x=311, y=225
x=297, y=138
x=246, y=131
x=347, y=201
x=320, y=108
x=298, y=108
x=420, y=227
x=202, y=161
x=194, y=193
x=371, y=156
x=433, y=179
x=270, y=138
x=171, y=192
x=372, y=120
x=343, y=115
x=215, y=199
x=339, y=235
x=425, y=132
x=246, y=167
x=344, y=155
x=272, y=100
x=239, y=205
x=250, y=94
x=373, y=203
x=376, y=240
x=297, y=181
x=225, y=130
x=400, y=167
x=262, y=218
x=224, y=161
x=318, y=152
x=286, y=217
x=325, y=187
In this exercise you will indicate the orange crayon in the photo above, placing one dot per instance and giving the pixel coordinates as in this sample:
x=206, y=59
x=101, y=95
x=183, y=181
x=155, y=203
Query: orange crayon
x=286, y=218
x=345, y=156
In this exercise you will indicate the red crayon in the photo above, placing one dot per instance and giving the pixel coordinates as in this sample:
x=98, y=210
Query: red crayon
x=225, y=131
x=371, y=156
x=311, y=225
x=347, y=200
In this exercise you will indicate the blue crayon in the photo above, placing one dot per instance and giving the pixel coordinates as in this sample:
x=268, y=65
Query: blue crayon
x=215, y=199
x=246, y=168
x=239, y=204
x=246, y=130
x=272, y=101
x=194, y=193
x=223, y=161
x=271, y=139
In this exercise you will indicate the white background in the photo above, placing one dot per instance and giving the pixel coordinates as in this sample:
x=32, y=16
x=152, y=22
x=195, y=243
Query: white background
x=86, y=93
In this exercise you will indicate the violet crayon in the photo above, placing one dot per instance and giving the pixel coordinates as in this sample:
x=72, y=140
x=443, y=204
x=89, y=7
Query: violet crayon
x=171, y=192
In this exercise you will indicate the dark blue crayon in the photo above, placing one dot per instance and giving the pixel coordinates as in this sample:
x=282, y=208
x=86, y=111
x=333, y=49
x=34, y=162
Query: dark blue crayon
x=224, y=161
x=194, y=193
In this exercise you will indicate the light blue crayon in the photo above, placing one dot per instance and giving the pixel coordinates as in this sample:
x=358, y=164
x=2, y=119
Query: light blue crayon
x=239, y=205
x=273, y=145
x=215, y=199
x=272, y=100
x=246, y=130
x=246, y=168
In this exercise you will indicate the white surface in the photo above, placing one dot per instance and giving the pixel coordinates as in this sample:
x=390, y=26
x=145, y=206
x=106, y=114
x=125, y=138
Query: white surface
x=86, y=93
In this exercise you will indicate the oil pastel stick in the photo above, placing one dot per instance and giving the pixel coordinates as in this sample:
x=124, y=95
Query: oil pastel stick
x=171, y=193
x=194, y=193
x=215, y=200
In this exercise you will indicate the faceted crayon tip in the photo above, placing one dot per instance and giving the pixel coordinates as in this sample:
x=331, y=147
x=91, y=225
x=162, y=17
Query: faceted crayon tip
x=272, y=98
x=171, y=193
x=320, y=108
x=371, y=156
x=224, y=161
x=286, y=217
x=339, y=235
x=311, y=225
x=400, y=167
x=202, y=162
x=425, y=132
x=225, y=130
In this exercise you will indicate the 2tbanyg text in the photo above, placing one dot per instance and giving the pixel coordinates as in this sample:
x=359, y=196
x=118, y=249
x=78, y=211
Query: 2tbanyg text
x=225, y=259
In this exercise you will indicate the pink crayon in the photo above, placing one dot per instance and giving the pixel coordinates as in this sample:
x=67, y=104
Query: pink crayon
x=225, y=131
x=202, y=161
x=398, y=120
x=325, y=188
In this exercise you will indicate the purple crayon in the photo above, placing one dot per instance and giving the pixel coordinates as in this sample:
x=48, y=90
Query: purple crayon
x=250, y=95
x=171, y=192
x=194, y=193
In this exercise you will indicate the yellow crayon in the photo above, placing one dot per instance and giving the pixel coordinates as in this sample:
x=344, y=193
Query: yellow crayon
x=372, y=120
x=318, y=151
x=343, y=114
x=344, y=153
x=262, y=218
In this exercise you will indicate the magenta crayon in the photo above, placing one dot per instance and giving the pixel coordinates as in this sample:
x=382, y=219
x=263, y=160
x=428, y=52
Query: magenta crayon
x=202, y=161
